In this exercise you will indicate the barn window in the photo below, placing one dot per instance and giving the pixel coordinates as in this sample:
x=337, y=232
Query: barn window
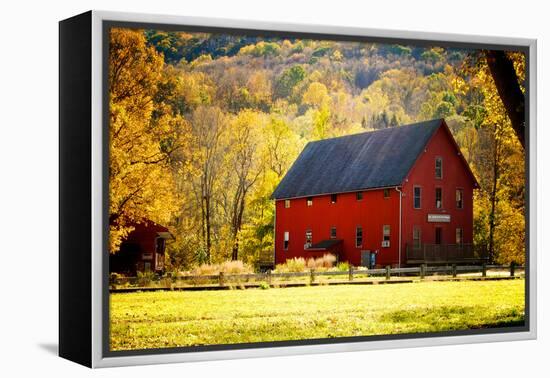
x=287, y=204
x=417, y=234
x=459, y=199
x=310, y=201
x=333, y=232
x=333, y=198
x=386, y=193
x=438, y=167
x=286, y=240
x=417, y=197
x=438, y=198
x=309, y=238
x=358, y=236
x=147, y=266
x=386, y=232
x=359, y=196
x=459, y=236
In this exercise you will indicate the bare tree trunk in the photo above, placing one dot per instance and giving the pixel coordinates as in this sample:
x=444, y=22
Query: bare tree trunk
x=235, y=251
x=492, y=217
x=238, y=225
x=237, y=219
x=208, y=228
x=506, y=80
x=203, y=216
x=493, y=198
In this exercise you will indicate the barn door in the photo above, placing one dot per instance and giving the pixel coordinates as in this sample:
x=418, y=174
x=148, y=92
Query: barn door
x=438, y=236
x=365, y=259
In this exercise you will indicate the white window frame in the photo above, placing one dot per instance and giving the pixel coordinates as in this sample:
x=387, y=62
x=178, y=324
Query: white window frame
x=386, y=235
x=286, y=240
x=440, y=160
x=440, y=197
x=309, y=240
x=357, y=229
x=419, y=197
x=461, y=191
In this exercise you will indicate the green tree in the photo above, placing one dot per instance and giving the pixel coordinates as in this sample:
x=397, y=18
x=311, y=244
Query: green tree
x=288, y=80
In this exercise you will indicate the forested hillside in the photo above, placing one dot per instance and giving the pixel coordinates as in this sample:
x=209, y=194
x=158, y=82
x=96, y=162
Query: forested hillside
x=203, y=127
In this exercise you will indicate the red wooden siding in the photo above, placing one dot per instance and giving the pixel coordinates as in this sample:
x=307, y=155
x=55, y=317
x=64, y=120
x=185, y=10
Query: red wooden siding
x=374, y=211
x=371, y=213
x=455, y=176
x=139, y=243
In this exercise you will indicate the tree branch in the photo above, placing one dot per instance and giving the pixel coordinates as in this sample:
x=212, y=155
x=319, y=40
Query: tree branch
x=506, y=80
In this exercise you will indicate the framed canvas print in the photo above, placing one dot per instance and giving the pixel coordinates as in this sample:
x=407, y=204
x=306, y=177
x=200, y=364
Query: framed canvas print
x=234, y=189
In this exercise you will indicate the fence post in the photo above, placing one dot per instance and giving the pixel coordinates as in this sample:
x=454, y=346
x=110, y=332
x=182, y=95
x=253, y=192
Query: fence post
x=268, y=277
x=350, y=272
x=422, y=271
x=312, y=276
x=454, y=270
x=388, y=272
x=512, y=269
x=483, y=270
x=221, y=279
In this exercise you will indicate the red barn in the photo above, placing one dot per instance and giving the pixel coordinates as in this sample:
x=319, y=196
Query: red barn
x=142, y=250
x=402, y=194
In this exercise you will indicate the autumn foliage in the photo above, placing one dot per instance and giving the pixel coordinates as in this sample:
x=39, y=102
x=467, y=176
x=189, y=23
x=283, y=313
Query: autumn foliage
x=202, y=127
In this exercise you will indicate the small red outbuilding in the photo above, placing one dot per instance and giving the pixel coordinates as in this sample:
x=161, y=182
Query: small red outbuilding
x=404, y=194
x=142, y=250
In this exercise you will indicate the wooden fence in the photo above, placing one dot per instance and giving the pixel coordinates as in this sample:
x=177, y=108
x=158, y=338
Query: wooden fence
x=445, y=254
x=312, y=277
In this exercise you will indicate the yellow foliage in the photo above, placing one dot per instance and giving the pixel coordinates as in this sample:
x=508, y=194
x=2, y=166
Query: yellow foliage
x=140, y=179
x=316, y=95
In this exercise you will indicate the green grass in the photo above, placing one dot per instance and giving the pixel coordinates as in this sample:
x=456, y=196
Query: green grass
x=170, y=319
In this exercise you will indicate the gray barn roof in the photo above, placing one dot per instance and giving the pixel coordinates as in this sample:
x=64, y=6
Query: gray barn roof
x=368, y=160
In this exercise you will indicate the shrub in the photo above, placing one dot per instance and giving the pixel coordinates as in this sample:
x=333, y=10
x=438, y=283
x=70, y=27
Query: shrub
x=205, y=270
x=115, y=278
x=325, y=262
x=227, y=267
x=343, y=266
x=328, y=260
x=297, y=264
x=145, y=278
x=264, y=285
x=235, y=267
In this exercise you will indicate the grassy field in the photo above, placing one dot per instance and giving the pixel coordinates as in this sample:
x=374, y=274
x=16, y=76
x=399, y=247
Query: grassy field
x=169, y=319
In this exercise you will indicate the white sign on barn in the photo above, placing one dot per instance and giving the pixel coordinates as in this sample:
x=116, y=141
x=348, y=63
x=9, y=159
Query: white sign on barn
x=442, y=218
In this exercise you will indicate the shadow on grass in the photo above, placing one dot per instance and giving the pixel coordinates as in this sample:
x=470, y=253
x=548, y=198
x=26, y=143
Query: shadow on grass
x=457, y=317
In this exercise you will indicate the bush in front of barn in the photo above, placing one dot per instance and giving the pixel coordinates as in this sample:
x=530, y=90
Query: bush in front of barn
x=144, y=279
x=299, y=264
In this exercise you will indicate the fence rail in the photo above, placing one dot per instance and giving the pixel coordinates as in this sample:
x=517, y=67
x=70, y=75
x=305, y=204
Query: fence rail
x=312, y=276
